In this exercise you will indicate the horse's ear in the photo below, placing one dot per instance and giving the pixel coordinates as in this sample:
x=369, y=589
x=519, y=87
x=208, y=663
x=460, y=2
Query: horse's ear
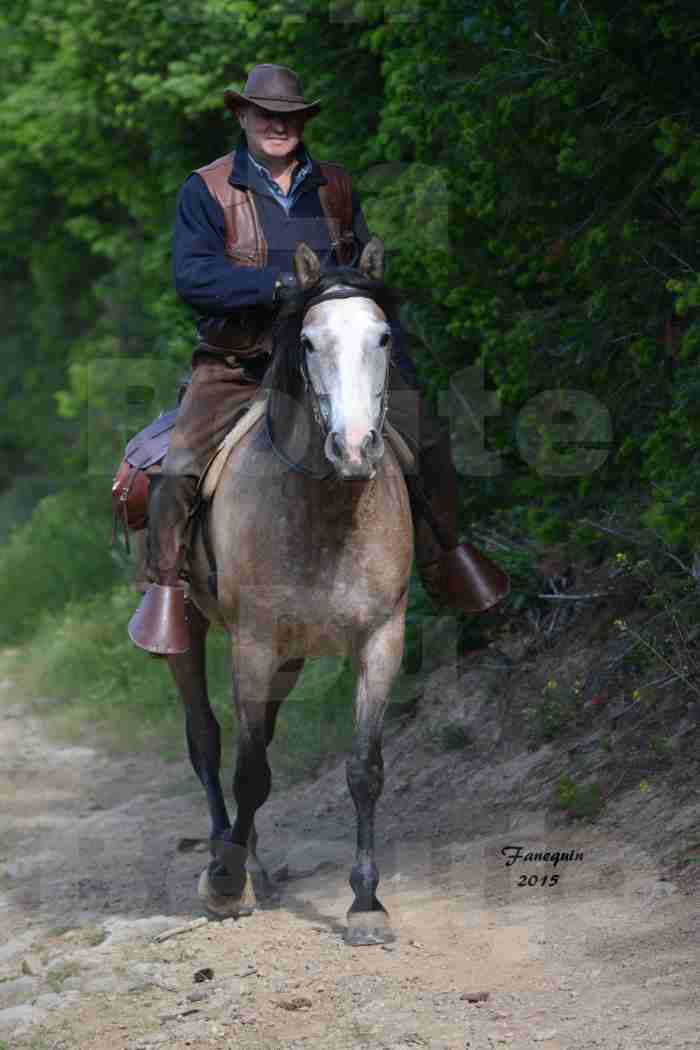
x=371, y=262
x=306, y=266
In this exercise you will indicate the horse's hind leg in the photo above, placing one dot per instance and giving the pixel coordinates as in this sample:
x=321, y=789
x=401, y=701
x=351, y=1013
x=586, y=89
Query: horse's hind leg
x=378, y=661
x=203, y=734
x=229, y=885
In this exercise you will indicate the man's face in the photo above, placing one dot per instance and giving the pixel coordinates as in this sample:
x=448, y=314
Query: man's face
x=271, y=135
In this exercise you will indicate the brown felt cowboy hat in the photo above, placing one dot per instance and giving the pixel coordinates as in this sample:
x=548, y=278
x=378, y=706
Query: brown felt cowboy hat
x=272, y=87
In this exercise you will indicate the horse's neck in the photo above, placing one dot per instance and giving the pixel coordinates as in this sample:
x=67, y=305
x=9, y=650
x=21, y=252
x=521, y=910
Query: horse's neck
x=341, y=505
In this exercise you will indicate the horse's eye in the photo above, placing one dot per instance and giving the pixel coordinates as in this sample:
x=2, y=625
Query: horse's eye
x=385, y=339
x=306, y=345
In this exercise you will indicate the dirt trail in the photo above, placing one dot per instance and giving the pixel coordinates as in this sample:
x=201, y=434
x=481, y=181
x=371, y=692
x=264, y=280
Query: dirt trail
x=90, y=871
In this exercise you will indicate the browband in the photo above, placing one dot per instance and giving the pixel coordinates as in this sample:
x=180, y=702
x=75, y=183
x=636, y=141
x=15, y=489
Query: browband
x=348, y=293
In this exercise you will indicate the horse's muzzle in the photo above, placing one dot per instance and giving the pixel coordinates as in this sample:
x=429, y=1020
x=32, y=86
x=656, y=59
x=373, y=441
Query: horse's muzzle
x=354, y=462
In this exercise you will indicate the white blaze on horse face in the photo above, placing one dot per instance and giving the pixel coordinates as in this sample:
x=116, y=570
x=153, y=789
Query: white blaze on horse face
x=348, y=365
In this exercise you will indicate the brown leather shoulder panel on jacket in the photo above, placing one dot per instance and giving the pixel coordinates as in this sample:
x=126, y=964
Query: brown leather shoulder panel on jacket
x=216, y=176
x=245, y=242
x=336, y=201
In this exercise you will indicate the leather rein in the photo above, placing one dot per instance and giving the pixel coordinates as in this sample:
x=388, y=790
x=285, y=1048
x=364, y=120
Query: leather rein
x=324, y=297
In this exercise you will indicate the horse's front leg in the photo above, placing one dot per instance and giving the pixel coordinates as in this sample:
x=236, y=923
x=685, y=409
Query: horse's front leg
x=378, y=661
x=259, y=687
x=282, y=684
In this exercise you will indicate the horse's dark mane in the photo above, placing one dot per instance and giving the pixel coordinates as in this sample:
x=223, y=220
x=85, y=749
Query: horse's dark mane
x=283, y=372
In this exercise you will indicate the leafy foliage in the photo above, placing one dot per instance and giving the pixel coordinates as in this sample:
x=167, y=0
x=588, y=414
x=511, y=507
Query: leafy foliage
x=533, y=167
x=553, y=713
x=580, y=801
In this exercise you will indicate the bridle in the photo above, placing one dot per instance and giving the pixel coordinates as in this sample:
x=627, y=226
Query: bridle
x=308, y=385
x=324, y=297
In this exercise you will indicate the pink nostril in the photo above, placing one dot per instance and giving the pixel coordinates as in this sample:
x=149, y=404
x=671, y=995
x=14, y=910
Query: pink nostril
x=344, y=449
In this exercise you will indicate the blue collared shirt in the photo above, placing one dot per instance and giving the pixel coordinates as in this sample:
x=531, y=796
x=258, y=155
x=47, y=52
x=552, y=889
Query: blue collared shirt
x=302, y=170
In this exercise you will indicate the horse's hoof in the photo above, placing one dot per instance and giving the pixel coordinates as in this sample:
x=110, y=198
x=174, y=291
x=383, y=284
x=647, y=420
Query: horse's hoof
x=368, y=927
x=219, y=906
x=265, y=889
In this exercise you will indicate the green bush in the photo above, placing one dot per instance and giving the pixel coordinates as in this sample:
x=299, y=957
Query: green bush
x=553, y=714
x=580, y=801
x=60, y=554
x=89, y=676
x=453, y=737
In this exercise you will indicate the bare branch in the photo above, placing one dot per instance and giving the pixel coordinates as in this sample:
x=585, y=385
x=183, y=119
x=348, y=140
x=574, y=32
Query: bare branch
x=526, y=54
x=482, y=536
x=576, y=597
x=167, y=934
x=684, y=264
x=622, y=338
x=660, y=656
x=650, y=266
x=636, y=539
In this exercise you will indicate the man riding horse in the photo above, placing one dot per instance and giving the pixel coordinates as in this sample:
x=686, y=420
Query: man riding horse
x=239, y=221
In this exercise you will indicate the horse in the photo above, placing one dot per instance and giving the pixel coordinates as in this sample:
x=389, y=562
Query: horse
x=311, y=529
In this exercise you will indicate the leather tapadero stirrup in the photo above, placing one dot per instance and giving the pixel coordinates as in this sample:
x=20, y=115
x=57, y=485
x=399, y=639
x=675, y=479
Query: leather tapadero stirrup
x=465, y=579
x=159, y=625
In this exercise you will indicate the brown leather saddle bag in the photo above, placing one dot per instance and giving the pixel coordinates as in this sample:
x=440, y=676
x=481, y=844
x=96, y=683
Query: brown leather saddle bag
x=131, y=484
